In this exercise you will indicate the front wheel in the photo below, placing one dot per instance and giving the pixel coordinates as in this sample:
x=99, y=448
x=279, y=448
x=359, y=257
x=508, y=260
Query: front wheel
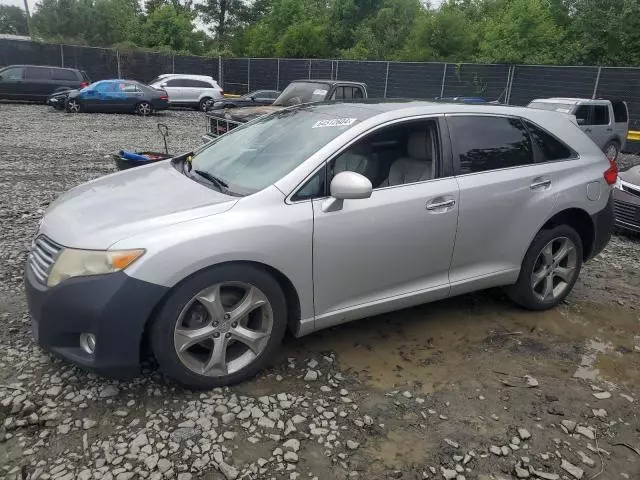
x=549, y=270
x=219, y=327
x=205, y=104
x=73, y=106
x=144, y=109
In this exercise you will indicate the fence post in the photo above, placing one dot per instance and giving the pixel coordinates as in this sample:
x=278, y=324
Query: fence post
x=220, y=71
x=506, y=88
x=510, y=85
x=173, y=63
x=595, y=87
x=337, y=65
x=386, y=81
x=444, y=77
x=278, y=76
x=309, y=69
x=61, y=56
x=118, y=63
x=331, y=69
x=248, y=75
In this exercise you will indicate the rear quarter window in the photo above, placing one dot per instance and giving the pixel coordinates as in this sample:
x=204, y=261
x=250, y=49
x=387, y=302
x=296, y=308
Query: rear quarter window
x=66, y=75
x=620, y=114
x=548, y=147
x=601, y=115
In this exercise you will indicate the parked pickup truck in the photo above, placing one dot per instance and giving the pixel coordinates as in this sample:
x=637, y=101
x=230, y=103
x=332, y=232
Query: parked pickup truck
x=606, y=122
x=299, y=91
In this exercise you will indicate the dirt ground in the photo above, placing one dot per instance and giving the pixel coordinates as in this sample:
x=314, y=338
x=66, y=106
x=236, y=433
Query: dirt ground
x=468, y=388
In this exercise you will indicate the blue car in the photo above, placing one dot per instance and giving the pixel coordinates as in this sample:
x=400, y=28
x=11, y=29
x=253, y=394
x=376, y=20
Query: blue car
x=112, y=96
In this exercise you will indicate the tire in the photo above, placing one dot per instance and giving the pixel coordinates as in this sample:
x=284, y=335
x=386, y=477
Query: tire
x=563, y=271
x=144, y=109
x=205, y=103
x=611, y=150
x=183, y=360
x=73, y=106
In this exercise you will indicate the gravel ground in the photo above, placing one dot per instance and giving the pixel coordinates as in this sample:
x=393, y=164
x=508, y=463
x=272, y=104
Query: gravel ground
x=469, y=388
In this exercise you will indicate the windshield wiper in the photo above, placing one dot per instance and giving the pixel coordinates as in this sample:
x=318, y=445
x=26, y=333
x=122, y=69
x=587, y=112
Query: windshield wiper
x=218, y=182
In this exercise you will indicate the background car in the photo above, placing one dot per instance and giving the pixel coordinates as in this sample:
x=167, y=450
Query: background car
x=626, y=201
x=606, y=122
x=117, y=96
x=256, y=98
x=198, y=91
x=36, y=83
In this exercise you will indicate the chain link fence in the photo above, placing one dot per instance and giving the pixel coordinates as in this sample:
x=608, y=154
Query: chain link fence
x=511, y=84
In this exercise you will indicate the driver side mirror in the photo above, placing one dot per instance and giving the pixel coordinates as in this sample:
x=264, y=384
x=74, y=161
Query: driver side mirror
x=347, y=186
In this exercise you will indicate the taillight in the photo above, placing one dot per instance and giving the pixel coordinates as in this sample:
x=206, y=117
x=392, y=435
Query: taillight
x=84, y=84
x=164, y=97
x=611, y=173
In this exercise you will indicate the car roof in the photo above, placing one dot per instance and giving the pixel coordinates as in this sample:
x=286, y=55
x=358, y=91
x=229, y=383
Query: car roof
x=186, y=75
x=43, y=66
x=573, y=100
x=329, y=82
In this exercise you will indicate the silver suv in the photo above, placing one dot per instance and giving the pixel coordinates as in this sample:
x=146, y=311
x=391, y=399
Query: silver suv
x=310, y=217
x=198, y=91
x=606, y=122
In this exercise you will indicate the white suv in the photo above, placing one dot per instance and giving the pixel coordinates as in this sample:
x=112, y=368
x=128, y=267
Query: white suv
x=189, y=90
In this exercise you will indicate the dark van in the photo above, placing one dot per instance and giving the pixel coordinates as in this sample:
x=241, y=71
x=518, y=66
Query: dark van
x=36, y=83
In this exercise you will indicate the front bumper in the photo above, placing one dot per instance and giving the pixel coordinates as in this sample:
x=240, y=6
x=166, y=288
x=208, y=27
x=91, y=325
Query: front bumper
x=113, y=307
x=603, y=228
x=627, y=211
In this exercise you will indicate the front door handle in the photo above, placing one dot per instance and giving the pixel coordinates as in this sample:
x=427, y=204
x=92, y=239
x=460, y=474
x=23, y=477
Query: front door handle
x=440, y=205
x=539, y=184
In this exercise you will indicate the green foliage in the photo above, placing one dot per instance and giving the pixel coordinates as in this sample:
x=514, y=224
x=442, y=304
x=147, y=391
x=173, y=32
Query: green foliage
x=588, y=32
x=13, y=20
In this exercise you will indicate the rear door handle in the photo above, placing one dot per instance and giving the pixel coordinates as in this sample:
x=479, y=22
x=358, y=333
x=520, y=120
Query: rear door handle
x=440, y=205
x=540, y=183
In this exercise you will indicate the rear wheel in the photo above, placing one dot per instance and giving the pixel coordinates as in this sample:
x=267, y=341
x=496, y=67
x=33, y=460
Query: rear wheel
x=219, y=327
x=144, y=109
x=549, y=270
x=611, y=150
x=205, y=104
x=73, y=106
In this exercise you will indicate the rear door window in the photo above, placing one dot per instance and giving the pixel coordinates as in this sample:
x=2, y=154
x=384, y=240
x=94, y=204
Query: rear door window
x=548, y=148
x=601, y=115
x=485, y=143
x=583, y=115
x=620, y=114
x=175, y=82
x=196, y=83
x=15, y=73
x=38, y=73
x=129, y=87
x=62, y=74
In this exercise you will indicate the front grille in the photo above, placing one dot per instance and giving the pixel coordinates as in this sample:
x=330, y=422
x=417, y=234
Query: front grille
x=625, y=212
x=43, y=255
x=220, y=125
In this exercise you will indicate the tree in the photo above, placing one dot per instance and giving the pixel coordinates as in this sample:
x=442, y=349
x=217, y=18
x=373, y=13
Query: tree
x=303, y=40
x=522, y=31
x=171, y=29
x=13, y=20
x=224, y=15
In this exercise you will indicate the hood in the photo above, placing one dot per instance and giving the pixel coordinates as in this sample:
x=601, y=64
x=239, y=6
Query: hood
x=246, y=114
x=631, y=176
x=99, y=213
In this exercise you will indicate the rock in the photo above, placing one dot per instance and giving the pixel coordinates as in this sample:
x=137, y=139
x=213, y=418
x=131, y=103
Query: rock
x=602, y=395
x=495, y=450
x=313, y=363
x=448, y=474
x=187, y=424
x=521, y=472
x=627, y=397
x=311, y=376
x=88, y=423
x=140, y=441
x=256, y=413
x=108, y=392
x=524, y=433
x=297, y=419
x=599, y=412
x=84, y=475
x=451, y=443
x=151, y=461
x=125, y=476
x=53, y=391
x=325, y=388
x=495, y=417
x=586, y=459
x=570, y=425
x=266, y=422
x=227, y=418
x=291, y=444
x=163, y=465
x=229, y=471
x=505, y=450
x=584, y=431
x=531, y=382
x=352, y=444
x=185, y=476
x=407, y=394
x=545, y=475
x=290, y=457
x=572, y=469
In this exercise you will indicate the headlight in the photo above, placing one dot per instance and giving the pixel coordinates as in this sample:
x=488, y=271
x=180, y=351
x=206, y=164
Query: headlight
x=618, y=184
x=77, y=263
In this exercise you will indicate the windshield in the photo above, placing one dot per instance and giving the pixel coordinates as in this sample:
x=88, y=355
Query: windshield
x=302, y=92
x=553, y=106
x=256, y=155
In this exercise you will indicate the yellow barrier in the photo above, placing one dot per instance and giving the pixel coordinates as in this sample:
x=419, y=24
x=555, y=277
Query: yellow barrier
x=633, y=135
x=231, y=95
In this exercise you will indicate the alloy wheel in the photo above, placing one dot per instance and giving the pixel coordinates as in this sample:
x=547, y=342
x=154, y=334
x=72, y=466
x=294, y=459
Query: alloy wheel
x=223, y=329
x=206, y=104
x=144, y=108
x=555, y=269
x=611, y=152
x=73, y=106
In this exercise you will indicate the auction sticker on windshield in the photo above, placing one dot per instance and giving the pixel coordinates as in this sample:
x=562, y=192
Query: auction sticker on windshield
x=334, y=122
x=319, y=91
